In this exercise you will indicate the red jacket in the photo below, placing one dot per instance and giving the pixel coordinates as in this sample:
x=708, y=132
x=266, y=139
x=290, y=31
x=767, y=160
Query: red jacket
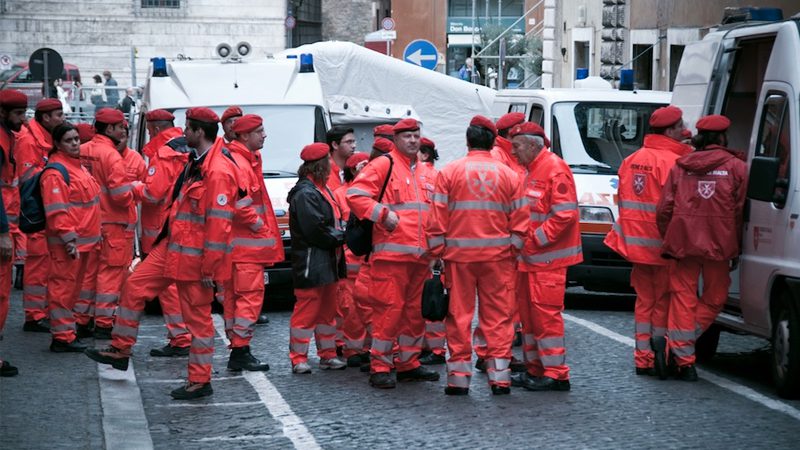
x=700, y=212
x=479, y=211
x=9, y=184
x=642, y=176
x=154, y=145
x=31, y=150
x=104, y=162
x=335, y=180
x=502, y=152
x=353, y=262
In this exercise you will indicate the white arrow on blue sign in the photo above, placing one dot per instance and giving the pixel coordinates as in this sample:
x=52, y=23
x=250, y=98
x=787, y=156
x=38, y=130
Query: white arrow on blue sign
x=422, y=53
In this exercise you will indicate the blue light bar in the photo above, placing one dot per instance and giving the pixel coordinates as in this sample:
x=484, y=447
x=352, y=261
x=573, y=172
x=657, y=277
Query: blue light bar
x=159, y=66
x=306, y=63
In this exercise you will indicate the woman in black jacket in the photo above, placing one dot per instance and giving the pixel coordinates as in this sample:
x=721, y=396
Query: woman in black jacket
x=317, y=261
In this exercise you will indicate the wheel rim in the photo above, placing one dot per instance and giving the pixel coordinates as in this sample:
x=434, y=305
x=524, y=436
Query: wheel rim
x=781, y=348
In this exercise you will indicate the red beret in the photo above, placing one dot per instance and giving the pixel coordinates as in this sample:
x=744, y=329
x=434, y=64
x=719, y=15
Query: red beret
x=509, y=120
x=483, y=122
x=202, y=115
x=159, y=114
x=530, y=129
x=48, y=104
x=109, y=116
x=665, y=117
x=13, y=99
x=383, y=145
x=232, y=111
x=355, y=159
x=85, y=132
x=714, y=122
x=425, y=142
x=406, y=125
x=383, y=130
x=247, y=123
x=315, y=151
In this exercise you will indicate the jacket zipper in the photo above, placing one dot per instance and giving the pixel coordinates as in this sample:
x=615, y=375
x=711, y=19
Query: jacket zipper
x=308, y=262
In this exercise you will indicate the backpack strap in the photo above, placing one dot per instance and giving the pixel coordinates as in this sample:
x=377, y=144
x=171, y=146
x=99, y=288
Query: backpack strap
x=388, y=175
x=59, y=167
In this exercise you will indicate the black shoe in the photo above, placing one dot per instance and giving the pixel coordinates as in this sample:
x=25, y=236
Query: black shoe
x=517, y=339
x=452, y=390
x=7, y=370
x=102, y=332
x=419, y=374
x=365, y=367
x=500, y=390
x=519, y=379
x=480, y=364
x=659, y=345
x=262, y=319
x=242, y=359
x=168, y=351
x=75, y=346
x=37, y=326
x=83, y=331
x=431, y=359
x=357, y=360
x=340, y=351
x=687, y=373
x=191, y=391
x=382, y=380
x=517, y=366
x=110, y=355
x=650, y=371
x=19, y=276
x=546, y=384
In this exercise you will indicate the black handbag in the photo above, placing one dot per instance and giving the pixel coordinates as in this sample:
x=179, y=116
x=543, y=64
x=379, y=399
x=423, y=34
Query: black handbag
x=435, y=299
x=358, y=232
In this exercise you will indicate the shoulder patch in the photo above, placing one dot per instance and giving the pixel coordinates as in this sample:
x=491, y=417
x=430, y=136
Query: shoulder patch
x=151, y=171
x=562, y=188
x=222, y=199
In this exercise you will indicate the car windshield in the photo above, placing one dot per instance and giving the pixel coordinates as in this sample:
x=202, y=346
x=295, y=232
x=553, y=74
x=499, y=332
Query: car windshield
x=599, y=135
x=8, y=73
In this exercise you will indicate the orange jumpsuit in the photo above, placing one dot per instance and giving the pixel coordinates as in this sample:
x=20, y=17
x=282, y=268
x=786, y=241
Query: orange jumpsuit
x=6, y=148
x=479, y=217
x=10, y=193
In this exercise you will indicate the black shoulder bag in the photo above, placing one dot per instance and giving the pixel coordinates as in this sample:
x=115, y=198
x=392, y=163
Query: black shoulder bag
x=435, y=300
x=358, y=232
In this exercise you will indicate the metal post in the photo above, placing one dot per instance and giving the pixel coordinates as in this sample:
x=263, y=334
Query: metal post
x=499, y=11
x=46, y=76
x=473, y=77
x=501, y=65
x=289, y=31
x=133, y=66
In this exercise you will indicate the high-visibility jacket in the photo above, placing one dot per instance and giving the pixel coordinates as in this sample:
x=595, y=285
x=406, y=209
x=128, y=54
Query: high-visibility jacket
x=502, y=152
x=256, y=238
x=6, y=148
x=152, y=147
x=642, y=176
x=554, y=237
x=72, y=210
x=353, y=262
x=165, y=165
x=135, y=169
x=200, y=218
x=479, y=211
x=9, y=183
x=103, y=161
x=335, y=180
x=31, y=149
x=407, y=194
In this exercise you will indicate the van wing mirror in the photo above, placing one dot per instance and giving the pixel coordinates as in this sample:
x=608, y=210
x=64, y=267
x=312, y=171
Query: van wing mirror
x=763, y=178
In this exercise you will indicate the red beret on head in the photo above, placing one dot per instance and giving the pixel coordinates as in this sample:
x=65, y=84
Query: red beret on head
x=202, y=115
x=159, y=114
x=355, y=159
x=714, y=122
x=665, y=117
x=232, y=111
x=383, y=130
x=13, y=99
x=406, y=125
x=509, y=120
x=48, y=104
x=109, y=116
x=315, y=151
x=425, y=142
x=383, y=145
x=85, y=132
x=483, y=122
x=530, y=129
x=247, y=123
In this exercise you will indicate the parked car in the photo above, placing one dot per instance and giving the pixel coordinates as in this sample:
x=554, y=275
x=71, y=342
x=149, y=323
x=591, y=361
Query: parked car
x=20, y=78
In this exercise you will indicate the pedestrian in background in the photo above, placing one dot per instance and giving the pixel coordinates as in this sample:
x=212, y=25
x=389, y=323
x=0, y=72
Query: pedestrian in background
x=128, y=102
x=342, y=143
x=98, y=95
x=111, y=94
x=228, y=118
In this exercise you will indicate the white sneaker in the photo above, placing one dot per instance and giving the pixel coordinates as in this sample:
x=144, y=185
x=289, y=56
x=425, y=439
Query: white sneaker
x=332, y=364
x=301, y=368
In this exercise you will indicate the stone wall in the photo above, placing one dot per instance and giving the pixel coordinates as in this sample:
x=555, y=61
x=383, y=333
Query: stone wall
x=351, y=20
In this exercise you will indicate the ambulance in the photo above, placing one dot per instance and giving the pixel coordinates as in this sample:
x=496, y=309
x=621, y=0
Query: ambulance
x=593, y=129
x=749, y=72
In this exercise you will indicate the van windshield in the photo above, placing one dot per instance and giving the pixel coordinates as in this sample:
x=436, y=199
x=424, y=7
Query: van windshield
x=599, y=135
x=8, y=73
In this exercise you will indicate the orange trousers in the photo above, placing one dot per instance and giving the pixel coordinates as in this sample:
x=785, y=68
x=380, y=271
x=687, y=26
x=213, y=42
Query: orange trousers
x=63, y=284
x=357, y=327
x=244, y=295
x=314, y=315
x=105, y=276
x=651, y=284
x=34, y=278
x=344, y=304
x=5, y=292
x=540, y=297
x=435, y=334
x=687, y=312
x=479, y=339
x=492, y=280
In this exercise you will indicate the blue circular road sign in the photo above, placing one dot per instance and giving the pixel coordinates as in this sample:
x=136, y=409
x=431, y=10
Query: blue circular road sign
x=422, y=53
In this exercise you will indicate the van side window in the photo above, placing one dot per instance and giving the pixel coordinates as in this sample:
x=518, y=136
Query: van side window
x=517, y=107
x=774, y=136
x=537, y=114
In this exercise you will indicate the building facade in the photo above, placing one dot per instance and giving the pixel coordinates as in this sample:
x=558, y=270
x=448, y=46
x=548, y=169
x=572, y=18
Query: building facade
x=352, y=20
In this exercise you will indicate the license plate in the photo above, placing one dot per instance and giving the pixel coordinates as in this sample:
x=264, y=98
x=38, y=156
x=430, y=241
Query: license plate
x=266, y=277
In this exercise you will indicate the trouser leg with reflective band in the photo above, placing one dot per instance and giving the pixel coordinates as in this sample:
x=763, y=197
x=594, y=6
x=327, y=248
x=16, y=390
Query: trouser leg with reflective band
x=34, y=278
x=84, y=305
x=543, y=324
x=177, y=333
x=5, y=292
x=435, y=334
x=397, y=314
x=244, y=295
x=20, y=241
x=716, y=281
x=116, y=254
x=354, y=332
x=652, y=300
x=314, y=315
x=344, y=304
x=63, y=284
x=196, y=309
x=146, y=282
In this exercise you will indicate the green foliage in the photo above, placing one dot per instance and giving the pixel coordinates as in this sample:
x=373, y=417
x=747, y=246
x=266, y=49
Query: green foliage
x=516, y=44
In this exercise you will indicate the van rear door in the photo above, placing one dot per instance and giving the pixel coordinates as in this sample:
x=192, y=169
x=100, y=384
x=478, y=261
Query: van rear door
x=697, y=69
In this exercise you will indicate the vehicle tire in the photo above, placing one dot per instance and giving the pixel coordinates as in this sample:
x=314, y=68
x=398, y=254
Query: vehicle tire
x=786, y=346
x=705, y=347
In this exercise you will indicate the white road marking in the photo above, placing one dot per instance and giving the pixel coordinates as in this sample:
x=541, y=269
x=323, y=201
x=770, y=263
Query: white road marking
x=124, y=422
x=183, y=380
x=293, y=426
x=724, y=383
x=206, y=405
x=250, y=437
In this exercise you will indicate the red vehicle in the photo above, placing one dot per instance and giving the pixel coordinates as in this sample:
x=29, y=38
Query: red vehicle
x=19, y=77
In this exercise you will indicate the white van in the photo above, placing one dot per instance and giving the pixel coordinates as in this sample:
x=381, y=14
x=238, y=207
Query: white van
x=593, y=130
x=750, y=73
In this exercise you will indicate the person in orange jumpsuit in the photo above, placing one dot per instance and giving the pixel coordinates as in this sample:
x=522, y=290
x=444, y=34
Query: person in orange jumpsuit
x=256, y=244
x=478, y=222
x=13, y=104
x=636, y=238
x=399, y=264
x=32, y=148
x=553, y=243
x=193, y=250
x=227, y=120
x=72, y=209
x=342, y=142
x=700, y=216
x=117, y=218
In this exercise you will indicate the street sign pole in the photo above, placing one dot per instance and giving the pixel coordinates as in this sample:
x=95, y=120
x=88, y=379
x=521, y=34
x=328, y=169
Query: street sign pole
x=46, y=93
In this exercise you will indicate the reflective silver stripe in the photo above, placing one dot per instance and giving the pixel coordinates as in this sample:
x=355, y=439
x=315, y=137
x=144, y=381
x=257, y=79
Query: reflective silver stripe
x=398, y=248
x=550, y=343
x=376, y=212
x=528, y=339
x=14, y=183
x=684, y=351
x=216, y=246
x=69, y=236
x=173, y=247
x=299, y=347
x=104, y=312
x=639, y=206
x=129, y=314
x=432, y=343
x=253, y=242
x=198, y=342
x=34, y=290
x=539, y=233
x=553, y=360
x=681, y=335
x=435, y=327
x=260, y=209
x=478, y=341
x=640, y=241
x=243, y=322
x=354, y=344
x=86, y=295
x=82, y=308
x=500, y=376
x=459, y=366
x=300, y=333
x=326, y=329
x=659, y=331
x=257, y=226
x=148, y=196
x=245, y=202
x=201, y=358
x=325, y=344
x=121, y=189
x=539, y=217
x=60, y=313
x=353, y=267
x=359, y=192
x=91, y=202
x=27, y=174
x=409, y=206
x=88, y=240
x=517, y=241
x=498, y=363
x=55, y=207
x=189, y=217
x=382, y=347
x=643, y=344
x=62, y=327
x=171, y=319
x=642, y=327
x=531, y=355
x=151, y=233
x=107, y=297
x=478, y=242
x=439, y=197
x=478, y=205
x=123, y=330
x=228, y=324
x=219, y=214
x=34, y=304
x=434, y=241
x=563, y=206
x=461, y=381
x=519, y=203
x=409, y=341
x=550, y=256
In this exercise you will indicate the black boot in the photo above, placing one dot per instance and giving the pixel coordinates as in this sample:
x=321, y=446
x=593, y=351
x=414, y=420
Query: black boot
x=659, y=346
x=421, y=373
x=356, y=360
x=453, y=390
x=262, y=319
x=168, y=351
x=102, y=332
x=110, y=355
x=546, y=384
x=7, y=370
x=480, y=365
x=242, y=359
x=75, y=346
x=500, y=390
x=20, y=273
x=431, y=359
x=517, y=366
x=517, y=339
x=191, y=391
x=37, y=326
x=83, y=331
x=382, y=380
x=687, y=373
